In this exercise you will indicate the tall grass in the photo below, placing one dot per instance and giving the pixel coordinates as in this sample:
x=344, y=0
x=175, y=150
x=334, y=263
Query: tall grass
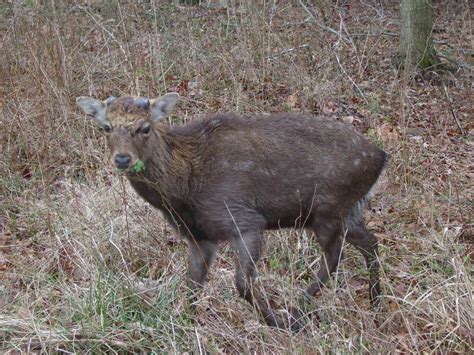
x=85, y=265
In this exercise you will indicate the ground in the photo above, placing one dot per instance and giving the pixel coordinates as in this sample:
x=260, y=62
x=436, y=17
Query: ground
x=86, y=265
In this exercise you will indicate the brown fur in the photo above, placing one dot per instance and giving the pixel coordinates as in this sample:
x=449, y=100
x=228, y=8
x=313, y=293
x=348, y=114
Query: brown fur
x=228, y=178
x=123, y=111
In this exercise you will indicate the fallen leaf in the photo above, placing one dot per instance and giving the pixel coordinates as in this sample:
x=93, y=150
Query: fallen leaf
x=329, y=108
x=387, y=132
x=393, y=306
x=466, y=334
x=182, y=87
x=26, y=173
x=291, y=101
x=416, y=139
x=348, y=119
x=403, y=275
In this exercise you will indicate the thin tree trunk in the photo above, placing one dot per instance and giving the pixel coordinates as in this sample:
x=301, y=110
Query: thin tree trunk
x=416, y=42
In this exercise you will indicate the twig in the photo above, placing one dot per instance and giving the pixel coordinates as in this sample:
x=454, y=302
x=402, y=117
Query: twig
x=461, y=65
x=350, y=79
x=124, y=198
x=464, y=51
x=314, y=20
x=450, y=104
x=369, y=34
x=287, y=50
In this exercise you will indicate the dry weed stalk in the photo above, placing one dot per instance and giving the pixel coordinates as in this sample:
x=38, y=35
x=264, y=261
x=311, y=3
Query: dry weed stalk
x=70, y=278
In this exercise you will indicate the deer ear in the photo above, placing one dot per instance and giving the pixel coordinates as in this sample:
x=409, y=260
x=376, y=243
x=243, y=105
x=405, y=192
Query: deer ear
x=161, y=107
x=93, y=108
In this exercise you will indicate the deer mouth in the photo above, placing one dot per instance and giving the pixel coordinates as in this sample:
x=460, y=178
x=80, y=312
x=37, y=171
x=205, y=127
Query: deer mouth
x=127, y=163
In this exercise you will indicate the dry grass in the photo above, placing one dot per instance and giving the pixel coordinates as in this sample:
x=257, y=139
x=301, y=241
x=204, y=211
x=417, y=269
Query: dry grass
x=85, y=265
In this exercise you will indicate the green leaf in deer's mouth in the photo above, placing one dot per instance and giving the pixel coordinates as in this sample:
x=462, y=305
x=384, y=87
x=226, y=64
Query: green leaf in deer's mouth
x=138, y=167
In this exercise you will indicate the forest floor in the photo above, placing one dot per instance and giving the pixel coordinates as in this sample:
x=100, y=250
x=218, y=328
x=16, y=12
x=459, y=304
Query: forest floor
x=87, y=266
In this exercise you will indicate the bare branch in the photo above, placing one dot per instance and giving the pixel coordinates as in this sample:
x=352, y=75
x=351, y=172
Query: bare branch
x=315, y=21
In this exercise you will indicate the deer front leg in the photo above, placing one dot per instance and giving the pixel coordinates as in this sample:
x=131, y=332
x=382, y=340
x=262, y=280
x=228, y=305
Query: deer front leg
x=201, y=255
x=249, y=248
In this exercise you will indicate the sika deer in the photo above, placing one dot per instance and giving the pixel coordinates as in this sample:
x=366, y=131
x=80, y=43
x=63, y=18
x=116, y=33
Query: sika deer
x=229, y=177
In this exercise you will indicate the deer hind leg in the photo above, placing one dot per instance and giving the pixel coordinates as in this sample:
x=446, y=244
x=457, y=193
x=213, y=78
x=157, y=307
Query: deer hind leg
x=328, y=235
x=364, y=241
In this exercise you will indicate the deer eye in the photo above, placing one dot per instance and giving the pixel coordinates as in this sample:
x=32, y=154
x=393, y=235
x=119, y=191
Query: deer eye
x=145, y=128
x=107, y=128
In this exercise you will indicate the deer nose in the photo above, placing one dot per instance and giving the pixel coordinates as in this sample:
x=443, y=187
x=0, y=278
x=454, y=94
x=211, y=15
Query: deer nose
x=122, y=161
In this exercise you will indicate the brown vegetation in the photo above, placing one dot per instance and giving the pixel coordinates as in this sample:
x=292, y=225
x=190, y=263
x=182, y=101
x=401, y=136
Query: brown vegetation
x=86, y=265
